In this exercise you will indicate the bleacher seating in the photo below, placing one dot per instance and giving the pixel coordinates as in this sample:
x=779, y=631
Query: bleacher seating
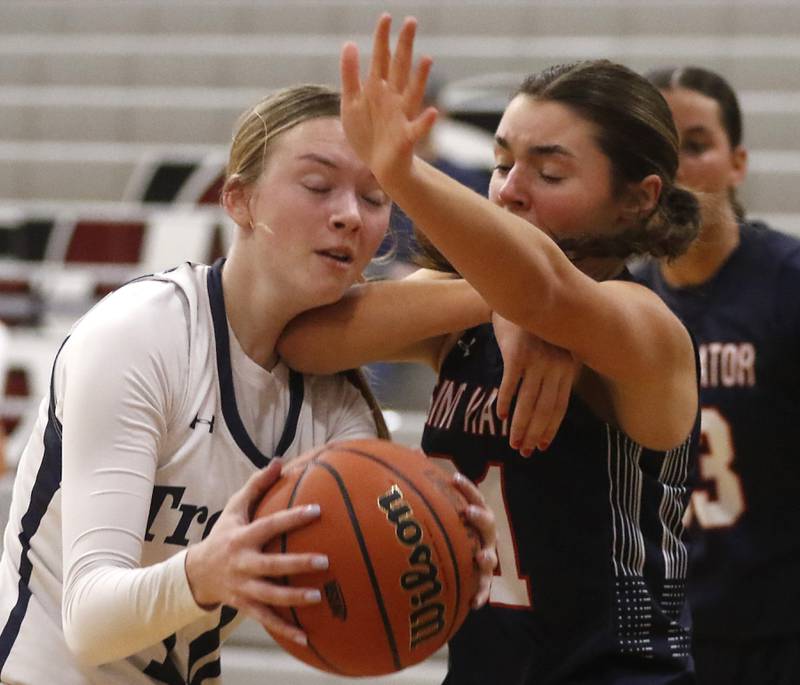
x=115, y=117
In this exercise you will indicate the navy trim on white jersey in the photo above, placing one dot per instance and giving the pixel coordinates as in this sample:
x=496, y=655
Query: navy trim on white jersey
x=230, y=410
x=48, y=482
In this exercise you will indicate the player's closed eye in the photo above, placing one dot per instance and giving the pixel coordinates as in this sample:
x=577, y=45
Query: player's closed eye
x=694, y=147
x=319, y=190
x=548, y=178
x=378, y=199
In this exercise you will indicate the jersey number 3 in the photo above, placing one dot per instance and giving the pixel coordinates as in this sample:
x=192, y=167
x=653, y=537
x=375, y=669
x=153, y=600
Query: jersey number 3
x=716, y=465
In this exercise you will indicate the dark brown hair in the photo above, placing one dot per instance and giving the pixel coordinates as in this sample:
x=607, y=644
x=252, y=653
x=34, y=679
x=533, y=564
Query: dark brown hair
x=635, y=130
x=712, y=85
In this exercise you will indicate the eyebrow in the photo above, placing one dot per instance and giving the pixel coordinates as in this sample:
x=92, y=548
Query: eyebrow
x=696, y=129
x=537, y=150
x=314, y=157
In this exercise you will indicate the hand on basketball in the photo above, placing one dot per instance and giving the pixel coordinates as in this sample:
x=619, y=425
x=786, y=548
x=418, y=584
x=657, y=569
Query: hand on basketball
x=381, y=117
x=229, y=566
x=541, y=375
x=482, y=519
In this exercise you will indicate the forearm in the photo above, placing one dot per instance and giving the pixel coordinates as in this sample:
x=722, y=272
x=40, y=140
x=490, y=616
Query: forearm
x=110, y=613
x=521, y=272
x=385, y=320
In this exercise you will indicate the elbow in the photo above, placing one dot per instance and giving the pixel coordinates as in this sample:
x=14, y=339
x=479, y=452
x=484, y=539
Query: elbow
x=83, y=632
x=534, y=311
x=84, y=646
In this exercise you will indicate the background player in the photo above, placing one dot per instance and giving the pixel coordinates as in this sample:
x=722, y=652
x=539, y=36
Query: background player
x=737, y=289
x=592, y=563
x=130, y=546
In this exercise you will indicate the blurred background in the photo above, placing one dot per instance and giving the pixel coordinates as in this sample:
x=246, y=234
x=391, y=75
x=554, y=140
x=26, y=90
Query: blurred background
x=115, y=118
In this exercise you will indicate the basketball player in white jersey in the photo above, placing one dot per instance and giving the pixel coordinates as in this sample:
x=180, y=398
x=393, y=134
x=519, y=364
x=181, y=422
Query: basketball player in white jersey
x=131, y=547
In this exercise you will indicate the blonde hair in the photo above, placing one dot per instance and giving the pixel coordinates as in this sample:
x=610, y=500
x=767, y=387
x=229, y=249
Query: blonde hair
x=255, y=130
x=260, y=125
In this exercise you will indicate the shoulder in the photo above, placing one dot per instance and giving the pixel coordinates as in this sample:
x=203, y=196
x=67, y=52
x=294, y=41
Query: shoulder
x=145, y=319
x=143, y=305
x=765, y=242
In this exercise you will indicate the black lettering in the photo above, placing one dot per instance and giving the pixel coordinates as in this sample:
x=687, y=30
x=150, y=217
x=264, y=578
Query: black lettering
x=426, y=622
x=387, y=502
x=409, y=532
x=211, y=521
x=415, y=578
x=188, y=513
x=160, y=493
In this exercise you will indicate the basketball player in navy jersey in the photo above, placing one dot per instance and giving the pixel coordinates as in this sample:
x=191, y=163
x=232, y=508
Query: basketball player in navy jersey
x=738, y=289
x=131, y=547
x=592, y=564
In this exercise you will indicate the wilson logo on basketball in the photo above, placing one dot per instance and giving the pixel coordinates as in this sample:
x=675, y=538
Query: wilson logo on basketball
x=427, y=619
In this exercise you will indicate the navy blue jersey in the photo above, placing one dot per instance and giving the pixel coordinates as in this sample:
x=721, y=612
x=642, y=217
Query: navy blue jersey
x=745, y=567
x=591, y=583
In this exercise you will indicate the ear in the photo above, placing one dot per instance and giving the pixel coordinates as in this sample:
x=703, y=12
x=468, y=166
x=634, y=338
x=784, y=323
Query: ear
x=641, y=198
x=235, y=200
x=738, y=166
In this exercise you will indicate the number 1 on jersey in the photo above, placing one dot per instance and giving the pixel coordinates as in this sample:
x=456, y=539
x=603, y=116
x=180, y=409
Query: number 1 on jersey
x=509, y=587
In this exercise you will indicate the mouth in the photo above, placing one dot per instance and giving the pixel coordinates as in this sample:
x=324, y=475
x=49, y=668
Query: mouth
x=341, y=255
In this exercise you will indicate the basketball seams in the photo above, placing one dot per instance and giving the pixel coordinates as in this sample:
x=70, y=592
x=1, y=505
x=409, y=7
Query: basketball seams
x=431, y=509
x=373, y=577
x=292, y=610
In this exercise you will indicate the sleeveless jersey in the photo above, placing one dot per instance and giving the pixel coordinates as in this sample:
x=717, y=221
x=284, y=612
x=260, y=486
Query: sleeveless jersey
x=204, y=452
x=590, y=586
x=745, y=562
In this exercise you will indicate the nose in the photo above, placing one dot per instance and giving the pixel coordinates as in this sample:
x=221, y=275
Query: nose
x=347, y=214
x=514, y=191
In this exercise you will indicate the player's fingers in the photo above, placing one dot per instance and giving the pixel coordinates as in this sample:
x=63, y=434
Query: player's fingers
x=482, y=519
x=400, y=66
x=275, y=624
x=557, y=414
x=545, y=405
x=526, y=407
x=415, y=93
x=277, y=565
x=467, y=488
x=484, y=591
x=512, y=376
x=349, y=72
x=274, y=594
x=422, y=125
x=381, y=54
x=263, y=529
x=251, y=493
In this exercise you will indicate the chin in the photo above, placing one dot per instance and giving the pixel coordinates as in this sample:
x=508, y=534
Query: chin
x=325, y=295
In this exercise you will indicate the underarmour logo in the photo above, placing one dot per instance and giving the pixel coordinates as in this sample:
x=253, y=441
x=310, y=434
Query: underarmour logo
x=465, y=346
x=197, y=420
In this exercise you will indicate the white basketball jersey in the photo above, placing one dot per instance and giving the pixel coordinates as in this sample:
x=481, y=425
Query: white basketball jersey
x=173, y=452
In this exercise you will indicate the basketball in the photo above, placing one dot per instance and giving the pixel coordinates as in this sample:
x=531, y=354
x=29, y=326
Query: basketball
x=402, y=572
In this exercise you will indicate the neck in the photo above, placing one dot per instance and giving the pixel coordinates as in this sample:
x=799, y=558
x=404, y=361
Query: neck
x=256, y=313
x=600, y=268
x=706, y=255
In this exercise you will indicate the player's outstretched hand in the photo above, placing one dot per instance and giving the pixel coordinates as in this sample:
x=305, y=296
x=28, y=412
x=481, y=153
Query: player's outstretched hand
x=541, y=376
x=482, y=519
x=229, y=566
x=381, y=116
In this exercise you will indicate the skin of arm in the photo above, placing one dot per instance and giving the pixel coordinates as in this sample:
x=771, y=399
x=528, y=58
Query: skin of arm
x=407, y=320
x=621, y=331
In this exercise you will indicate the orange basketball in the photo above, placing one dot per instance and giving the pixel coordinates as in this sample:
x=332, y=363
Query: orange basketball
x=402, y=571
